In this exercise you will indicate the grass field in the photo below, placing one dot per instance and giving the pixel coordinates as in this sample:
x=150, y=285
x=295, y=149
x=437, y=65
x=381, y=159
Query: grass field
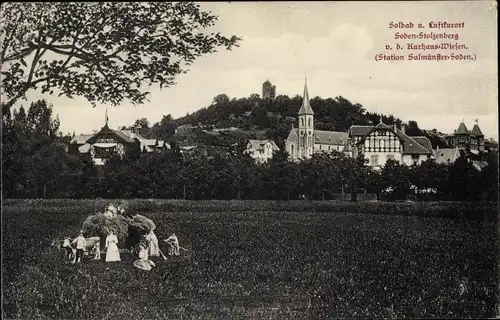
x=261, y=259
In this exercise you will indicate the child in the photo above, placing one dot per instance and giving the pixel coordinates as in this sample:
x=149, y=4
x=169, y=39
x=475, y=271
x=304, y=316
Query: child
x=80, y=246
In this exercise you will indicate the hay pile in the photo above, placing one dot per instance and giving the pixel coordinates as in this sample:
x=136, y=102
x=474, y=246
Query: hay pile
x=128, y=230
x=100, y=225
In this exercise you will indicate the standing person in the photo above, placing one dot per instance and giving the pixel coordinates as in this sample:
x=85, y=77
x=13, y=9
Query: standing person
x=153, y=247
x=112, y=253
x=80, y=246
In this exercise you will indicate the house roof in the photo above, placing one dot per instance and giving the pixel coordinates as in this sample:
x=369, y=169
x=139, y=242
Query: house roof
x=410, y=146
x=462, y=129
x=424, y=141
x=84, y=148
x=446, y=155
x=476, y=131
x=330, y=137
x=260, y=144
x=81, y=139
x=360, y=131
x=123, y=135
x=306, y=107
x=382, y=125
x=292, y=134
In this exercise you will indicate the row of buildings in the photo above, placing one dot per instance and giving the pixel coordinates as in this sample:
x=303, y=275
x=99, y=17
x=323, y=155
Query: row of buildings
x=377, y=143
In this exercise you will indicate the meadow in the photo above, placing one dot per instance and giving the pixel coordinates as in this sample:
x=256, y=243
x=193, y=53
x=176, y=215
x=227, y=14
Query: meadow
x=261, y=260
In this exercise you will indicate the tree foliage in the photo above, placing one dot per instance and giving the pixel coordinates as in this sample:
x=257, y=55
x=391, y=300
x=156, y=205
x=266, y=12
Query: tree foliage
x=107, y=52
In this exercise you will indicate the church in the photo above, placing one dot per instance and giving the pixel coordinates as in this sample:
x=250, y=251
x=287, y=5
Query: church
x=305, y=140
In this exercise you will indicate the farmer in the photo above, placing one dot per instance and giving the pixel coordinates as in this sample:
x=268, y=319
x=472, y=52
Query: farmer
x=80, y=246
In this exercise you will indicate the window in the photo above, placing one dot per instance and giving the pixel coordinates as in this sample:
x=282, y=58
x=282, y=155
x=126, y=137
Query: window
x=381, y=143
x=374, y=160
x=302, y=121
x=367, y=143
x=291, y=149
x=309, y=122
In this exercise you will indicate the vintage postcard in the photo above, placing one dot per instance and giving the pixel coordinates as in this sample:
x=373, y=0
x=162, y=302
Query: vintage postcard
x=250, y=160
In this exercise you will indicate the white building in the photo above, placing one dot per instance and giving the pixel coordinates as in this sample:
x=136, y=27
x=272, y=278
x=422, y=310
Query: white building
x=261, y=150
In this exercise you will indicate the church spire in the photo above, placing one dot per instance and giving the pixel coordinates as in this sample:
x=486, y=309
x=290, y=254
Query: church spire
x=106, y=119
x=306, y=107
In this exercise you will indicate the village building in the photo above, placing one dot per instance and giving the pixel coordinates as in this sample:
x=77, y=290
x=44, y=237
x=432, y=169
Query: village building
x=108, y=142
x=261, y=150
x=446, y=155
x=462, y=138
x=384, y=142
x=377, y=143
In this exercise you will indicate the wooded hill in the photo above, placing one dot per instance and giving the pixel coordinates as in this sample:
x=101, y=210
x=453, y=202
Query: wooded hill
x=273, y=119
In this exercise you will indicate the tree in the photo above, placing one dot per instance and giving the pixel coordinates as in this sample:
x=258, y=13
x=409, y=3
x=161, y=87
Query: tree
x=464, y=179
x=395, y=180
x=142, y=123
x=105, y=52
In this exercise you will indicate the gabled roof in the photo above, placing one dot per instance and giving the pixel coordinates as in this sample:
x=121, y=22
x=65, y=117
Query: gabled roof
x=330, y=137
x=122, y=135
x=382, y=125
x=360, y=131
x=260, y=144
x=411, y=146
x=446, y=155
x=476, y=131
x=462, y=129
x=424, y=141
x=306, y=107
x=81, y=139
x=84, y=148
x=293, y=134
x=117, y=133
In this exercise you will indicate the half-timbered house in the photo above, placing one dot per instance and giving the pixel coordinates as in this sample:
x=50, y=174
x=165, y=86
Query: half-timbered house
x=383, y=142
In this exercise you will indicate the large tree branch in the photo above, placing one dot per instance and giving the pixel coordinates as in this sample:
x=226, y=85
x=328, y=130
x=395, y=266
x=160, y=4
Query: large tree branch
x=8, y=40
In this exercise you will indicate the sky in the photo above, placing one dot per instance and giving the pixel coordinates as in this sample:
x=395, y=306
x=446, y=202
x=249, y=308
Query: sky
x=335, y=44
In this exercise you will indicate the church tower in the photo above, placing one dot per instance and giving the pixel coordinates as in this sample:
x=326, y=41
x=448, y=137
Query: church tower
x=306, y=127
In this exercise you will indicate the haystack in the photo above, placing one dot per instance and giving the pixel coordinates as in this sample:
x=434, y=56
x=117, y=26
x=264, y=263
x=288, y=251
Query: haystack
x=100, y=225
x=138, y=227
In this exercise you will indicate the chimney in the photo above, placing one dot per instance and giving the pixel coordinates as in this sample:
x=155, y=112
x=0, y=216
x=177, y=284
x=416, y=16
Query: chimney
x=403, y=128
